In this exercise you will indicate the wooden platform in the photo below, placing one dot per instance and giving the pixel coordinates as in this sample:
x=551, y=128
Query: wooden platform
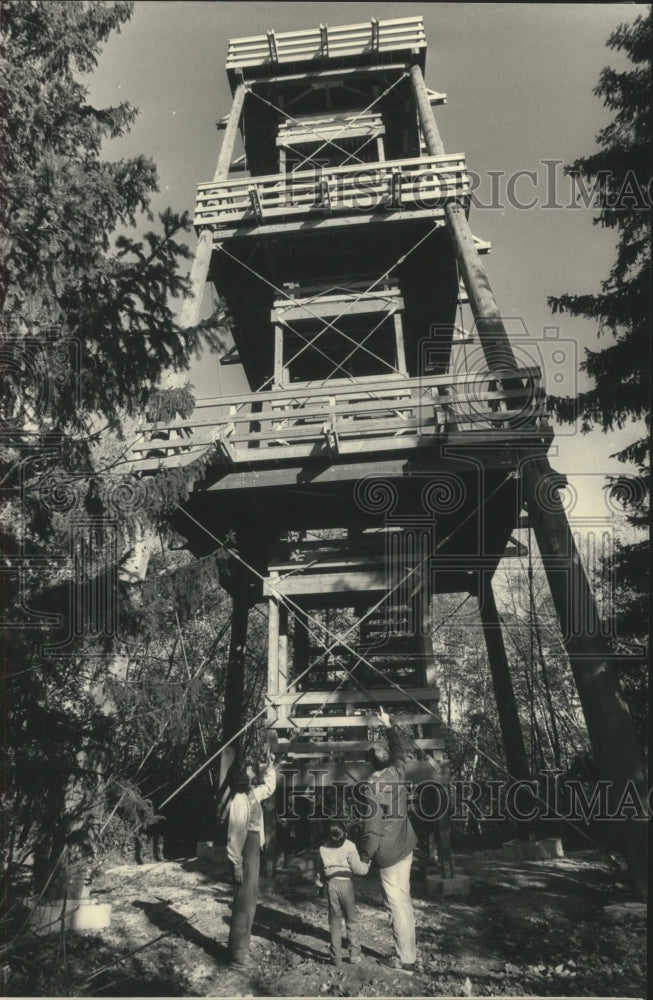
x=419, y=186
x=274, y=52
x=358, y=417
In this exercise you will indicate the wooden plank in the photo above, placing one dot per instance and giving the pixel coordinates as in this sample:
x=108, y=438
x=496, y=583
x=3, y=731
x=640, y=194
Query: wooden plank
x=355, y=290
x=281, y=205
x=225, y=232
x=328, y=133
x=426, y=192
x=354, y=419
x=311, y=76
x=380, y=695
x=329, y=583
x=440, y=164
x=341, y=308
x=312, y=747
x=495, y=450
x=368, y=445
x=483, y=439
x=396, y=382
x=332, y=120
x=331, y=562
x=349, y=721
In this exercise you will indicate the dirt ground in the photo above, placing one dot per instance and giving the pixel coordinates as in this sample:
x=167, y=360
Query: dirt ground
x=527, y=929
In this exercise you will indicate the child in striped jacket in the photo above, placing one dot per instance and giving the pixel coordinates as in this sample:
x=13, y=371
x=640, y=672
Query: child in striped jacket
x=338, y=863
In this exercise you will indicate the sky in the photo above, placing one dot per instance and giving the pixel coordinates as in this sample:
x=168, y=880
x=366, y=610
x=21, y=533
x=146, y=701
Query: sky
x=519, y=81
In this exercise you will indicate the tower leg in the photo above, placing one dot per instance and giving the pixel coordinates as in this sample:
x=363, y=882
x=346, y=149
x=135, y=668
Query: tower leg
x=491, y=330
x=276, y=802
x=277, y=682
x=607, y=717
x=511, y=731
x=606, y=713
x=440, y=837
x=190, y=311
x=233, y=694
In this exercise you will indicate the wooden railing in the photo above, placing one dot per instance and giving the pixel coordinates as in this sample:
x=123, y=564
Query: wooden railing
x=330, y=128
x=388, y=414
x=324, y=42
x=424, y=184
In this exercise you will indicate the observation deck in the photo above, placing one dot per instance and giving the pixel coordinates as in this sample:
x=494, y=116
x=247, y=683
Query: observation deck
x=284, y=52
x=343, y=418
x=412, y=188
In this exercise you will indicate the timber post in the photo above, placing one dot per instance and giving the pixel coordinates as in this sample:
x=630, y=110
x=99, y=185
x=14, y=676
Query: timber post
x=491, y=330
x=190, y=311
x=504, y=692
x=439, y=837
x=607, y=716
x=608, y=720
x=233, y=693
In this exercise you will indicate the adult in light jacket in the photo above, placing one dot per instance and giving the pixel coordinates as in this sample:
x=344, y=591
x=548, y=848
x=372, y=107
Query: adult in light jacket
x=389, y=840
x=245, y=839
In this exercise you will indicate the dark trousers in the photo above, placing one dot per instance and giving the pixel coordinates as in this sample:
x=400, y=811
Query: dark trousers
x=245, y=900
x=342, y=904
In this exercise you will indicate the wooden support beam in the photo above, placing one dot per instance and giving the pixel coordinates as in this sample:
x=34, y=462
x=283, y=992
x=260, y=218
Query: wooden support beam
x=347, y=721
x=608, y=720
x=273, y=687
x=191, y=308
x=511, y=731
x=282, y=709
x=304, y=224
x=278, y=355
x=256, y=203
x=233, y=694
x=227, y=452
x=331, y=583
x=272, y=46
x=331, y=437
x=325, y=196
x=395, y=189
x=366, y=306
x=301, y=642
x=607, y=716
x=381, y=695
x=492, y=332
x=307, y=749
x=316, y=77
x=435, y=97
x=439, y=839
x=375, y=35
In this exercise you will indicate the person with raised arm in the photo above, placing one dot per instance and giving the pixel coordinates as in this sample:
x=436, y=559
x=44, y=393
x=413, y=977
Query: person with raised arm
x=245, y=840
x=389, y=841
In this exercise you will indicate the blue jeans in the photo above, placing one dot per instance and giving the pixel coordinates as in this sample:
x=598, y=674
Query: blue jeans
x=395, y=882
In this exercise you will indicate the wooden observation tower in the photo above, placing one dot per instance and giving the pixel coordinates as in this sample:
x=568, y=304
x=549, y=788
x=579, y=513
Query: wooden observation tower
x=381, y=442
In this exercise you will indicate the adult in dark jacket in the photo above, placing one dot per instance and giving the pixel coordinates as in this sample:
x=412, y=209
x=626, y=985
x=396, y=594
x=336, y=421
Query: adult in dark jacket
x=389, y=839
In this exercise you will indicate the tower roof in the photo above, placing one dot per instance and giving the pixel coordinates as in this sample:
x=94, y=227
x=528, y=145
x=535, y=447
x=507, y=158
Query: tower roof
x=366, y=43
